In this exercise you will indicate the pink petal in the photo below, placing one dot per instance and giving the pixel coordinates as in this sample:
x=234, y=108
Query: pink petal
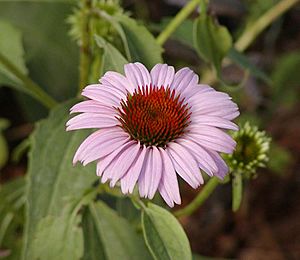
x=162, y=75
x=124, y=162
x=151, y=177
x=203, y=158
x=214, y=121
x=105, y=165
x=105, y=97
x=91, y=120
x=168, y=186
x=222, y=166
x=91, y=106
x=99, y=144
x=129, y=180
x=184, y=164
x=211, y=138
x=184, y=80
x=117, y=80
x=142, y=187
x=137, y=75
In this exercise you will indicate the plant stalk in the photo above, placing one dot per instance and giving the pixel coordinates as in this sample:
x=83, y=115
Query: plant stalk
x=177, y=20
x=262, y=23
x=200, y=198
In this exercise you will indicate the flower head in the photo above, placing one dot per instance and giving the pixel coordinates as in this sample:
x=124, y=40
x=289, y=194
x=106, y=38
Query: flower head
x=152, y=126
x=251, y=151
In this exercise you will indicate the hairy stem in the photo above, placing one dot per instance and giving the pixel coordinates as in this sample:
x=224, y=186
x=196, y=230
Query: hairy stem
x=262, y=23
x=85, y=52
x=200, y=198
x=35, y=90
x=177, y=20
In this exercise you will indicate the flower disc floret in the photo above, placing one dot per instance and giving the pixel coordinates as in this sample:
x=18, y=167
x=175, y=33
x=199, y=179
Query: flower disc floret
x=154, y=116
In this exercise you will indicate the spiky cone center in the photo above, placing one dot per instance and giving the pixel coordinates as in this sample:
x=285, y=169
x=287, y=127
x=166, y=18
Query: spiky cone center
x=251, y=151
x=154, y=116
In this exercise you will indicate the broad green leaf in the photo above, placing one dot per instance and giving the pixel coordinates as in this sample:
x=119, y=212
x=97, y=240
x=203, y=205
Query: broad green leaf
x=51, y=56
x=109, y=236
x=52, y=179
x=142, y=45
x=211, y=40
x=164, y=235
x=242, y=60
x=237, y=191
x=112, y=58
x=12, y=48
x=58, y=237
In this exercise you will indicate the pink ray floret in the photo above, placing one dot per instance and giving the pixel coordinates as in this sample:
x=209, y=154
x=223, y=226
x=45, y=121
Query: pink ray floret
x=153, y=127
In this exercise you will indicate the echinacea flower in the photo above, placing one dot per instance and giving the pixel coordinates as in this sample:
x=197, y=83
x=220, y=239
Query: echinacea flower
x=152, y=126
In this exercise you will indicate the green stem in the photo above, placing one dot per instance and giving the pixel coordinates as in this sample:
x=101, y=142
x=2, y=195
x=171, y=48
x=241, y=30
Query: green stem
x=200, y=198
x=35, y=90
x=137, y=202
x=262, y=23
x=85, y=52
x=177, y=20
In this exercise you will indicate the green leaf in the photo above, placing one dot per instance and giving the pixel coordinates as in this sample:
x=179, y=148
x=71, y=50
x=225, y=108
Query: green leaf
x=164, y=235
x=12, y=48
x=237, y=191
x=211, y=40
x=242, y=60
x=142, y=45
x=109, y=236
x=58, y=237
x=51, y=56
x=112, y=58
x=52, y=179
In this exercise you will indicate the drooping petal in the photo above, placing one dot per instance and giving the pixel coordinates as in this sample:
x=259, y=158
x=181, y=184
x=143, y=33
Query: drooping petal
x=144, y=171
x=222, y=166
x=137, y=74
x=211, y=138
x=151, y=177
x=124, y=162
x=110, y=160
x=168, y=186
x=129, y=180
x=99, y=144
x=162, y=75
x=204, y=159
x=184, y=164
